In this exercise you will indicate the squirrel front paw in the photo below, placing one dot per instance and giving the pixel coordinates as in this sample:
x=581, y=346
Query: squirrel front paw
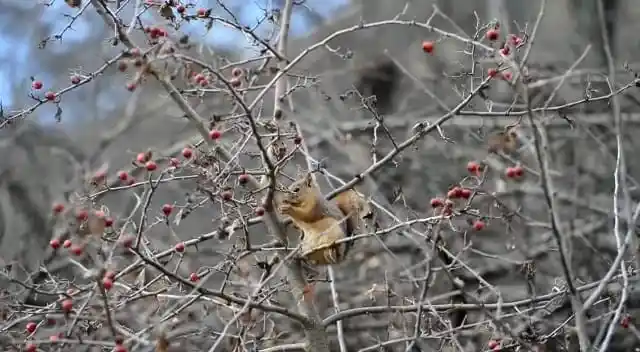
x=284, y=207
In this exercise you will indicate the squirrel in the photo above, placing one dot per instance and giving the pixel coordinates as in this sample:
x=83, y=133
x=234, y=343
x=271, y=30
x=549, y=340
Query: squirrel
x=323, y=222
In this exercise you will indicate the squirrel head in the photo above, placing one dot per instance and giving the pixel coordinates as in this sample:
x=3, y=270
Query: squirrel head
x=301, y=191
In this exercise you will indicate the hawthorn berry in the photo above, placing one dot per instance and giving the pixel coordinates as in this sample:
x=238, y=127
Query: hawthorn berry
x=465, y=193
x=236, y=72
x=58, y=208
x=142, y=158
x=131, y=181
x=131, y=86
x=492, y=34
x=53, y=338
x=122, y=66
x=82, y=214
x=235, y=82
x=108, y=221
x=167, y=209
x=120, y=348
x=454, y=193
x=75, y=79
x=126, y=241
x=36, y=85
x=625, y=322
x=181, y=9
x=473, y=167
x=199, y=77
x=151, y=165
x=204, y=83
x=519, y=171
x=66, y=243
x=194, y=277
x=427, y=46
x=297, y=140
x=50, y=95
x=174, y=162
x=67, y=305
x=202, y=13
x=54, y=243
x=31, y=347
x=179, y=247
x=215, y=134
x=31, y=327
x=107, y=283
x=123, y=175
x=226, y=195
x=243, y=179
x=259, y=211
x=492, y=344
x=505, y=51
x=436, y=203
x=478, y=225
x=135, y=52
x=111, y=275
x=492, y=72
x=76, y=249
x=507, y=76
x=187, y=152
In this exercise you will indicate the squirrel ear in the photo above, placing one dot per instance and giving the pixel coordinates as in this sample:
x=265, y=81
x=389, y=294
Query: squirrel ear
x=309, y=179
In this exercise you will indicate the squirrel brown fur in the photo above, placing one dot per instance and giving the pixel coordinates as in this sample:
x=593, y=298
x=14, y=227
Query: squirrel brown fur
x=324, y=222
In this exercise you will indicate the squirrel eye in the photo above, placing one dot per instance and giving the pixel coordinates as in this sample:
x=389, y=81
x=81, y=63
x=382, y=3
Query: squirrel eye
x=296, y=190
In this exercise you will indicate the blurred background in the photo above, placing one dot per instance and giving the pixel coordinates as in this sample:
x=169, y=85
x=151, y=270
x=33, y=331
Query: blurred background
x=102, y=123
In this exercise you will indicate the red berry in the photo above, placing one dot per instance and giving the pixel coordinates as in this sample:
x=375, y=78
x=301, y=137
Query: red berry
x=243, y=179
x=473, y=167
x=151, y=165
x=67, y=305
x=515, y=40
x=54, y=243
x=107, y=283
x=50, y=96
x=120, y=348
x=142, y=158
x=625, y=322
x=202, y=13
x=31, y=347
x=297, y=140
x=99, y=176
x=194, y=277
x=135, y=52
x=76, y=249
x=226, y=195
x=519, y=171
x=436, y=203
x=53, y=338
x=126, y=241
x=427, y=46
x=455, y=192
x=465, y=193
x=131, y=181
x=236, y=72
x=82, y=215
x=505, y=51
x=108, y=221
x=122, y=66
x=204, y=83
x=123, y=175
x=75, y=79
x=111, y=275
x=510, y=172
x=199, y=77
x=179, y=247
x=478, y=225
x=492, y=344
x=492, y=34
x=259, y=211
x=492, y=72
x=507, y=76
x=31, y=327
x=36, y=85
x=215, y=134
x=235, y=82
x=58, y=208
x=131, y=86
x=180, y=9
x=66, y=243
x=154, y=32
x=187, y=152
x=167, y=209
x=174, y=162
